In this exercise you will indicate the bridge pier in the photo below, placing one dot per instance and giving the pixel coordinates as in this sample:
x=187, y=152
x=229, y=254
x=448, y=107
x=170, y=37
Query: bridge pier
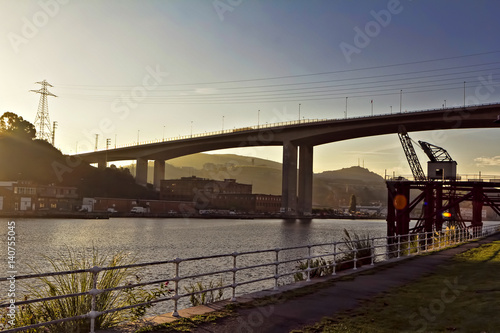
x=141, y=171
x=159, y=173
x=305, y=179
x=289, y=179
x=102, y=163
x=290, y=203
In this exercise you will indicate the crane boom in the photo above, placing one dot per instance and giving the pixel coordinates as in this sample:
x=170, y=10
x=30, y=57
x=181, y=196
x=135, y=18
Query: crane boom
x=411, y=156
x=435, y=153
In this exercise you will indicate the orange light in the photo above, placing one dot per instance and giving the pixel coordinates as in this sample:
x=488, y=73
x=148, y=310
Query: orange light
x=446, y=214
x=400, y=201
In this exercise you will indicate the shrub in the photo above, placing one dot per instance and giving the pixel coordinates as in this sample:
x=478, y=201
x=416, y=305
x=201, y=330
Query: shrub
x=319, y=267
x=203, y=293
x=361, y=245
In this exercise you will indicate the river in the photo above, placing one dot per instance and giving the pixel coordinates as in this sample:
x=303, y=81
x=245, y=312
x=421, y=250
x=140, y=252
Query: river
x=163, y=239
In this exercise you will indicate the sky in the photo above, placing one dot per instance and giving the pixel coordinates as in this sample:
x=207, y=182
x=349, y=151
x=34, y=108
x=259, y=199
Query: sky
x=147, y=70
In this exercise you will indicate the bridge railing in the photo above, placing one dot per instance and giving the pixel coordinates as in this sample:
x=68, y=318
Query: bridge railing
x=471, y=177
x=226, y=131
x=287, y=123
x=244, y=272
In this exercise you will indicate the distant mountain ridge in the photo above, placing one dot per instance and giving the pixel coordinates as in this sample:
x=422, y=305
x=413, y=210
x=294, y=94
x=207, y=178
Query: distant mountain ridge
x=330, y=188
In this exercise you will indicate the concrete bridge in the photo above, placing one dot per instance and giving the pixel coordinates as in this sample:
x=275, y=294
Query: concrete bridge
x=298, y=140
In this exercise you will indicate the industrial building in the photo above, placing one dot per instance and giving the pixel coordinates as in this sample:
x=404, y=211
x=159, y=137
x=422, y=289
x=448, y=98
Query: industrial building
x=29, y=196
x=219, y=195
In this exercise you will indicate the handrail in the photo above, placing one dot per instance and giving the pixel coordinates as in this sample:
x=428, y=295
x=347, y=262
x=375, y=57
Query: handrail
x=379, y=249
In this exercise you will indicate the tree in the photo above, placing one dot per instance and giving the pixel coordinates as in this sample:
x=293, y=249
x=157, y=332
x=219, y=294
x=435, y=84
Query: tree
x=14, y=125
x=352, y=204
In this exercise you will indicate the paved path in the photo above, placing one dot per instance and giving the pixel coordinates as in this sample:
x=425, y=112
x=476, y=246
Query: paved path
x=344, y=295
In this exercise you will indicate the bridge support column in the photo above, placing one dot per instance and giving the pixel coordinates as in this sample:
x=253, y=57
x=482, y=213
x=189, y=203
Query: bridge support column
x=159, y=173
x=403, y=209
x=141, y=171
x=102, y=163
x=477, y=209
x=305, y=180
x=289, y=179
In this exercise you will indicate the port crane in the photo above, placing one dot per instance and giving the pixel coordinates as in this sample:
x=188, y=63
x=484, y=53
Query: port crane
x=440, y=167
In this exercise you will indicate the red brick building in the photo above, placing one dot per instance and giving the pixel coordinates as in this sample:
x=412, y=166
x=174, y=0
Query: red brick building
x=219, y=195
x=29, y=196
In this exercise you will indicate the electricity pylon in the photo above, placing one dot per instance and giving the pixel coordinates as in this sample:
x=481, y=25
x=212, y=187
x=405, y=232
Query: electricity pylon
x=42, y=120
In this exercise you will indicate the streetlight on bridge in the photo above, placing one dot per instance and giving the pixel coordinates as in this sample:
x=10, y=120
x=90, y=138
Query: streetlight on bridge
x=345, y=113
x=400, y=100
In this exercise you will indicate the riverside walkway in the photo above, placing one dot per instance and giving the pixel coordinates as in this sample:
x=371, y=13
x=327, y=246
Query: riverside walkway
x=284, y=315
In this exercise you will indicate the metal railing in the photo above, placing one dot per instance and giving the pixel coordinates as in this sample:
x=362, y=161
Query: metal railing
x=265, y=269
x=470, y=177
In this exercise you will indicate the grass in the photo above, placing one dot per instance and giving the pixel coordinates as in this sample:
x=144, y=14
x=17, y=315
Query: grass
x=462, y=296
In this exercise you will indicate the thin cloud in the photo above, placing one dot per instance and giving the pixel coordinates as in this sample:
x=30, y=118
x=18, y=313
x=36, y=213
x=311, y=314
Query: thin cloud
x=488, y=161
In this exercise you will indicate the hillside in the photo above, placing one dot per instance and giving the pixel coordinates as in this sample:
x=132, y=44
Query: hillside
x=330, y=188
x=22, y=157
x=334, y=188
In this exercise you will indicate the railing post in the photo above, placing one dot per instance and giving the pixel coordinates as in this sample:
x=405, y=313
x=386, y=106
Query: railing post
x=373, y=251
x=418, y=243
x=334, y=258
x=387, y=248
x=308, y=262
x=426, y=237
x=408, y=244
x=94, y=292
x=235, y=269
x=399, y=246
x=355, y=259
x=176, y=297
x=276, y=270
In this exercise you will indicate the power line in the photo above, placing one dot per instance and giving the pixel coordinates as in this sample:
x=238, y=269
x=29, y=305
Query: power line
x=312, y=74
